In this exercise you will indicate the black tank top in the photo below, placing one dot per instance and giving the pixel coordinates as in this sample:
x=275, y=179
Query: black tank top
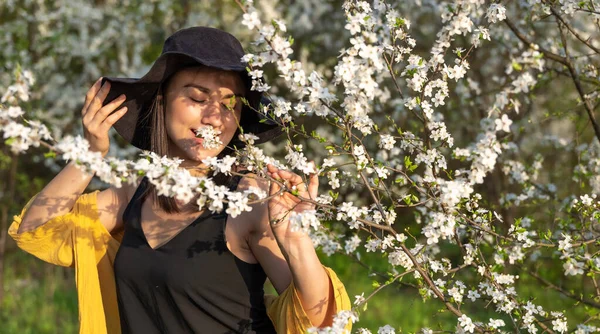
x=191, y=284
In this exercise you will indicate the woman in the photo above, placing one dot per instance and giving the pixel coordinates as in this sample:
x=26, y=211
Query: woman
x=148, y=264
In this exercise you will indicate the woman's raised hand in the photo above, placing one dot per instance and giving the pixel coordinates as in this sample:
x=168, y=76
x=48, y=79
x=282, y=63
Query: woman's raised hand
x=97, y=120
x=281, y=206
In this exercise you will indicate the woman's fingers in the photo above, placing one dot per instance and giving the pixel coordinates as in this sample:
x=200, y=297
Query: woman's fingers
x=113, y=118
x=103, y=113
x=96, y=101
x=313, y=186
x=272, y=172
x=286, y=177
x=97, y=119
x=294, y=181
x=293, y=178
x=89, y=96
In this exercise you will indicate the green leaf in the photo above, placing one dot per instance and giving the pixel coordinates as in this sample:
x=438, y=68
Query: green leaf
x=409, y=164
x=50, y=154
x=516, y=66
x=333, y=195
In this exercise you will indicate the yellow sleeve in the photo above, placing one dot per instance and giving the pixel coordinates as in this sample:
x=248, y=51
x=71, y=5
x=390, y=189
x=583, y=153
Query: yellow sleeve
x=286, y=311
x=53, y=241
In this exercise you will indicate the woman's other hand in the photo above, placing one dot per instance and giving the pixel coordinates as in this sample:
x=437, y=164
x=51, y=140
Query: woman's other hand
x=282, y=205
x=97, y=120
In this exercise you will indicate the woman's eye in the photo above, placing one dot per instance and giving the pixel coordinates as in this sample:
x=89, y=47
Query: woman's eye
x=197, y=100
x=228, y=106
x=229, y=103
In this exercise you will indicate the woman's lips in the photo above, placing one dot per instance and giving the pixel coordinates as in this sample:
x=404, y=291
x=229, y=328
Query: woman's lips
x=197, y=139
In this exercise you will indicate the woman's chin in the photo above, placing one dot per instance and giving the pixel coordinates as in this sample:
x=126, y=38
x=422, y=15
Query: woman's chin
x=201, y=154
x=196, y=152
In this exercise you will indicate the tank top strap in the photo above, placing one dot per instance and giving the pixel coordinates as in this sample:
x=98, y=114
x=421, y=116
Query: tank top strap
x=133, y=208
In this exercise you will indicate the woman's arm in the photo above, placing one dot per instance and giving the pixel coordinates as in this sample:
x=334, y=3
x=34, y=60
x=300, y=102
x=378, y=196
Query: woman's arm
x=59, y=196
x=298, y=262
x=287, y=256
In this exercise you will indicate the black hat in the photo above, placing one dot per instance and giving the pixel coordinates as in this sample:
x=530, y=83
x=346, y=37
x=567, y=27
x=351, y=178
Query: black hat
x=188, y=47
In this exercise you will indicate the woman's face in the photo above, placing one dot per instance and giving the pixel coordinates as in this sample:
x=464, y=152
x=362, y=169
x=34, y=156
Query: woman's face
x=199, y=97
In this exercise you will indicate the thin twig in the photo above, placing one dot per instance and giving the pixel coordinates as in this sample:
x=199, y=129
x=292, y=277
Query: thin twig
x=588, y=44
x=561, y=290
x=547, y=53
x=575, y=77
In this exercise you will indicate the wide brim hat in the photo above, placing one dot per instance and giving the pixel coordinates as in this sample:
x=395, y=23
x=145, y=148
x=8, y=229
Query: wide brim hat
x=186, y=48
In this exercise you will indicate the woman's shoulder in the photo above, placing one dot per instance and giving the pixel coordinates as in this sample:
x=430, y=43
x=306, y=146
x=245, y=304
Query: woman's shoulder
x=249, y=180
x=111, y=204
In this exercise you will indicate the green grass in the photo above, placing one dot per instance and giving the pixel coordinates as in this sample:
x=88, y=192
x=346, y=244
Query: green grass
x=41, y=298
x=397, y=305
x=403, y=308
x=38, y=297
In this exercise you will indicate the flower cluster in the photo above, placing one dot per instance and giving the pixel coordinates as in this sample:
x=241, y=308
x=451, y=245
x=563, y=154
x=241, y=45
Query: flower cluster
x=210, y=137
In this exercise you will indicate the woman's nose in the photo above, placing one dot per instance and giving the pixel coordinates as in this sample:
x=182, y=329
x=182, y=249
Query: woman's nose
x=211, y=115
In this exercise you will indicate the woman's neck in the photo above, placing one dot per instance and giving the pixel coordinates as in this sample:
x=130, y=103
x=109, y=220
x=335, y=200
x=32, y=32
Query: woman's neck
x=195, y=168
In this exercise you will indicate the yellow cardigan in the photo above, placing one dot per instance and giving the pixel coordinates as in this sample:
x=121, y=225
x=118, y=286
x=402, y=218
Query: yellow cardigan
x=79, y=239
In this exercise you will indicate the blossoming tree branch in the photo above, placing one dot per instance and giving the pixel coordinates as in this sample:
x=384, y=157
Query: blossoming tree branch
x=456, y=139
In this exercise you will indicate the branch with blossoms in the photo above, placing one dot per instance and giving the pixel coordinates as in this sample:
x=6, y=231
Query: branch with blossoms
x=483, y=155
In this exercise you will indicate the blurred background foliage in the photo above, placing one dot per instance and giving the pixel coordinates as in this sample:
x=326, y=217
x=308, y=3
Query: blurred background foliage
x=68, y=44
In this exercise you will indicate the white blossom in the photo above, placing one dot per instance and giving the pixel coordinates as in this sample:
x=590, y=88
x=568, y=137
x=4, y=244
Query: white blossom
x=210, y=137
x=503, y=124
x=251, y=19
x=496, y=12
x=466, y=323
x=387, y=329
x=304, y=221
